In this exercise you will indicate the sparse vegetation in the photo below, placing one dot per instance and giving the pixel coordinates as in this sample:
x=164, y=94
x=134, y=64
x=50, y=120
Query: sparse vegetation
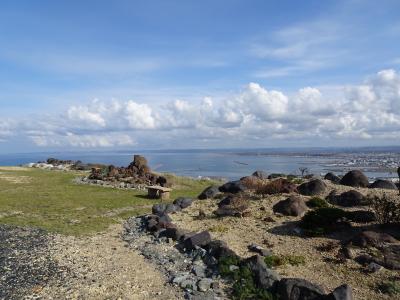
x=281, y=260
x=316, y=202
x=322, y=220
x=391, y=288
x=218, y=228
x=386, y=208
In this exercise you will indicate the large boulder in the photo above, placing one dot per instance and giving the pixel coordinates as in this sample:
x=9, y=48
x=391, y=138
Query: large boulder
x=209, y=193
x=332, y=177
x=299, y=289
x=264, y=277
x=183, y=202
x=347, y=199
x=312, y=187
x=343, y=292
x=383, y=184
x=373, y=238
x=292, y=206
x=197, y=240
x=232, y=187
x=260, y=174
x=232, y=206
x=355, y=178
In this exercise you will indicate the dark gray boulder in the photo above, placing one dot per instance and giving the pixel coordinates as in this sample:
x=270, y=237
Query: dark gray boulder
x=199, y=239
x=347, y=199
x=173, y=233
x=159, y=209
x=343, y=292
x=232, y=206
x=260, y=174
x=264, y=277
x=183, y=202
x=292, y=206
x=209, y=193
x=218, y=249
x=299, y=289
x=232, y=187
x=312, y=187
x=383, y=184
x=332, y=177
x=355, y=178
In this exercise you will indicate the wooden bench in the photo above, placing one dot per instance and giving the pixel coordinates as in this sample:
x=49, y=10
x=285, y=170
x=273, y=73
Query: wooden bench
x=158, y=192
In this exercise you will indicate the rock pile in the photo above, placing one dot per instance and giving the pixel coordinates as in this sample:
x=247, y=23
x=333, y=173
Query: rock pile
x=137, y=173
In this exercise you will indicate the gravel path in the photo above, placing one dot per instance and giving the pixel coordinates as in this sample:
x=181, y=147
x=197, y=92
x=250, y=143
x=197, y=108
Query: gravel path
x=26, y=264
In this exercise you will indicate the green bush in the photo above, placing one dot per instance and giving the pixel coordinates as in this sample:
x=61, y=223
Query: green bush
x=386, y=208
x=275, y=260
x=390, y=287
x=316, y=202
x=322, y=220
x=244, y=286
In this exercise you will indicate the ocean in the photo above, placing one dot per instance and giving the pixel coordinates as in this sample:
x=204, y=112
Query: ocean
x=234, y=163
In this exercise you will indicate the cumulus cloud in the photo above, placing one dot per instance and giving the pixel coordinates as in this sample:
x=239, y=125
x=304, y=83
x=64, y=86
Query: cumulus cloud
x=369, y=111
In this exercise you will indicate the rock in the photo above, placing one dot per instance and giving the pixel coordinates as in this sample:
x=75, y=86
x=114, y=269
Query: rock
x=159, y=209
x=346, y=252
x=372, y=238
x=260, y=250
x=199, y=239
x=361, y=216
x=232, y=206
x=374, y=267
x=174, y=233
x=355, y=178
x=218, y=249
x=292, y=206
x=232, y=187
x=391, y=257
x=172, y=208
x=332, y=177
x=343, y=292
x=347, y=199
x=204, y=284
x=383, y=184
x=199, y=271
x=312, y=187
x=299, y=289
x=260, y=174
x=183, y=202
x=209, y=193
x=264, y=277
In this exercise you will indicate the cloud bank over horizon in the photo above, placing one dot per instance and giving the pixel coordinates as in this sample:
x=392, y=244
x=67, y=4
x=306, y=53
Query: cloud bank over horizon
x=253, y=116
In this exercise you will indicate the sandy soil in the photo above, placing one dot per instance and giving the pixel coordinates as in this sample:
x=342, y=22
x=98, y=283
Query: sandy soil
x=104, y=268
x=321, y=267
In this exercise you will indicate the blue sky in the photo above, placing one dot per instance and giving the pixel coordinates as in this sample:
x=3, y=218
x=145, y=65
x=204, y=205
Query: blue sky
x=56, y=57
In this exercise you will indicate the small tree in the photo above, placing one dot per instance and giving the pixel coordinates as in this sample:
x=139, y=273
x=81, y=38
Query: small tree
x=303, y=171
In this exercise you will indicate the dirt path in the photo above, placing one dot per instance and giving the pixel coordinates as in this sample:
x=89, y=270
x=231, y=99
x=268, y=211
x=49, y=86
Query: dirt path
x=102, y=267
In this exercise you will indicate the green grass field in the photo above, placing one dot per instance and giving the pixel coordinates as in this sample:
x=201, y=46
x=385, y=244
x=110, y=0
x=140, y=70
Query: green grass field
x=50, y=200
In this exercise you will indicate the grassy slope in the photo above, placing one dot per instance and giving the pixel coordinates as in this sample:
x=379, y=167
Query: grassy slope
x=52, y=201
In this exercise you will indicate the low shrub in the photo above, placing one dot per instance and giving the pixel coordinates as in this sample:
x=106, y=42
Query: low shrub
x=316, y=202
x=244, y=286
x=275, y=260
x=391, y=288
x=252, y=182
x=218, y=228
x=322, y=220
x=277, y=186
x=386, y=208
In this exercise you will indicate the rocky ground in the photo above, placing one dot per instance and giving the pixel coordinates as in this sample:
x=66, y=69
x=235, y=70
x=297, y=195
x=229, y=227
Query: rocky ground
x=281, y=235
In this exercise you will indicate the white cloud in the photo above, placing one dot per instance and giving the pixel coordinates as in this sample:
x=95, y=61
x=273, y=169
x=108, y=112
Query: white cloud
x=369, y=111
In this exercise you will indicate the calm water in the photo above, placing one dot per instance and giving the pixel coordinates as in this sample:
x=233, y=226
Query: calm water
x=213, y=163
